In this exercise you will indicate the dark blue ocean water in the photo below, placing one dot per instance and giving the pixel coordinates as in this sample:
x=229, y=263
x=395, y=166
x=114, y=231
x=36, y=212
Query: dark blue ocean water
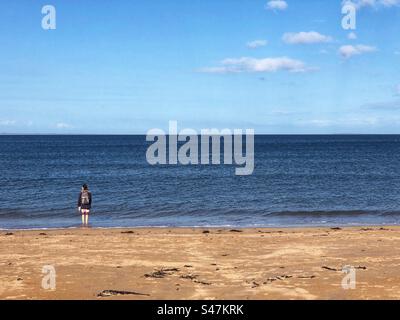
x=298, y=181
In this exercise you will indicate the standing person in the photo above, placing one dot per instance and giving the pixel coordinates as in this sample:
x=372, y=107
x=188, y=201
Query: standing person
x=85, y=204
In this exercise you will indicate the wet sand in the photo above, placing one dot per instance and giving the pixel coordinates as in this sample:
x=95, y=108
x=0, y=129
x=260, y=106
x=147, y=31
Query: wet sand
x=201, y=263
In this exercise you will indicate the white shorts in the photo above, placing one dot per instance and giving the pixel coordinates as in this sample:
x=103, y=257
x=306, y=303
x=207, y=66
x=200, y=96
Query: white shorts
x=85, y=211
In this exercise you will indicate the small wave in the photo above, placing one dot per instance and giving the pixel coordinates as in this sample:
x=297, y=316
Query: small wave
x=333, y=213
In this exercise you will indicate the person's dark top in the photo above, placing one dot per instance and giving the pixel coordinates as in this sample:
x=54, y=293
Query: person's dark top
x=85, y=206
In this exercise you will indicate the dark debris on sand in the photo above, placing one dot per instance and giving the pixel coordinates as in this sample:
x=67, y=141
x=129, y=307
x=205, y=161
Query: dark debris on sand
x=270, y=232
x=202, y=282
x=307, y=277
x=336, y=269
x=162, y=273
x=194, y=278
x=330, y=268
x=280, y=278
x=110, y=293
x=270, y=280
x=189, y=276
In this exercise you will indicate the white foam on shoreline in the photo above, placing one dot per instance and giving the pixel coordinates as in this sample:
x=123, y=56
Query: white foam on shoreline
x=261, y=226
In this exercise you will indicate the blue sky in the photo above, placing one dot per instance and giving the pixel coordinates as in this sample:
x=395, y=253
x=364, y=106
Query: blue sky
x=129, y=66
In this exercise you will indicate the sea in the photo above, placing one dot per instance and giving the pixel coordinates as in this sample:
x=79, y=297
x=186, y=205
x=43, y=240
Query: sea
x=298, y=181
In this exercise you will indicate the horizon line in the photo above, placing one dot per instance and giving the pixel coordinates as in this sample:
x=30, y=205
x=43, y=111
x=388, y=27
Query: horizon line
x=144, y=134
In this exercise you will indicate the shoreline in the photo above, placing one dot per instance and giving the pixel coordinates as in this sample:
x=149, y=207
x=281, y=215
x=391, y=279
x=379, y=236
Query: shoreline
x=201, y=263
x=305, y=227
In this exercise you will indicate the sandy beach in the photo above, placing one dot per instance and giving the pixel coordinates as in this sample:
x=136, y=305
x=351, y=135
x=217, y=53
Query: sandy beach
x=201, y=263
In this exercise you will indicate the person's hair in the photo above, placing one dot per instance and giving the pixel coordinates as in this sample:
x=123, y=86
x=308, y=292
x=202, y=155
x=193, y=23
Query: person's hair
x=85, y=187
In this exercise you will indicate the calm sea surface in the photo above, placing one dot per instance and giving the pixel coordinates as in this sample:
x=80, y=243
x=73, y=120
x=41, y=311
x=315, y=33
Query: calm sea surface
x=298, y=181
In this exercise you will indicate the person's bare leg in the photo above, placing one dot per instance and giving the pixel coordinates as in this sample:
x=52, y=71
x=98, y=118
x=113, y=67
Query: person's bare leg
x=83, y=219
x=87, y=219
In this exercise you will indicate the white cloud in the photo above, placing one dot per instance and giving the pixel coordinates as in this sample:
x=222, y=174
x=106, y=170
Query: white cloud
x=352, y=36
x=257, y=44
x=359, y=4
x=349, y=51
x=62, y=125
x=305, y=38
x=349, y=121
x=277, y=5
x=246, y=64
x=319, y=122
x=6, y=122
